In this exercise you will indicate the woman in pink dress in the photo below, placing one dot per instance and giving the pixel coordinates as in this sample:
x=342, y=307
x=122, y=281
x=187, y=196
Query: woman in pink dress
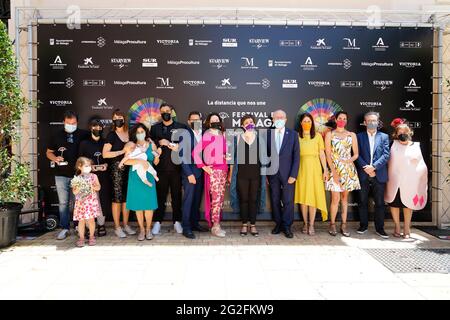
x=408, y=177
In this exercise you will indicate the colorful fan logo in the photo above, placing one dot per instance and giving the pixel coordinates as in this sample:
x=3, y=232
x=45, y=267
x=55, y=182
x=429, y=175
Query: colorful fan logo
x=146, y=111
x=321, y=110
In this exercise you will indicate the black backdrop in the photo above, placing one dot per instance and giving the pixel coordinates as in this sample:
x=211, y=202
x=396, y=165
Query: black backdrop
x=234, y=70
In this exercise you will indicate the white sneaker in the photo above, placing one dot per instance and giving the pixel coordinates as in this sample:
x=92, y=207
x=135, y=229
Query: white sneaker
x=63, y=234
x=149, y=235
x=178, y=228
x=156, y=228
x=119, y=232
x=129, y=230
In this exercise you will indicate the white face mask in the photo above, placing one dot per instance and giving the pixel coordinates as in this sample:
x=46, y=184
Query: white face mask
x=86, y=170
x=70, y=128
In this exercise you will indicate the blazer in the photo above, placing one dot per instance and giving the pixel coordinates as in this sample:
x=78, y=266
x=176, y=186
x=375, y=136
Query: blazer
x=380, y=156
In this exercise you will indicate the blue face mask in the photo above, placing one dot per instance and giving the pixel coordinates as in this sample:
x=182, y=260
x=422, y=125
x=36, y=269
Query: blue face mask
x=70, y=128
x=372, y=125
x=279, y=123
x=140, y=136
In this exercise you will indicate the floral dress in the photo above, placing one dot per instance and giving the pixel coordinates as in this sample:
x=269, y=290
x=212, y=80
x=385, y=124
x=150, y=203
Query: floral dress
x=87, y=206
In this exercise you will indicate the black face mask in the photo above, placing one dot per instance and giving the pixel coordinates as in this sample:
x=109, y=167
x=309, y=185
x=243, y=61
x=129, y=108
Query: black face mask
x=166, y=116
x=216, y=125
x=119, y=123
x=403, y=137
x=96, y=133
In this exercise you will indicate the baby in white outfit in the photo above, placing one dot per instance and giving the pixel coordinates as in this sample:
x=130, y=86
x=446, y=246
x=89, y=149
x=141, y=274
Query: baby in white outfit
x=133, y=152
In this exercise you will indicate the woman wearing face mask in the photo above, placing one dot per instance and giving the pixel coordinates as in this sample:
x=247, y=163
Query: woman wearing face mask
x=407, y=187
x=114, y=151
x=245, y=175
x=213, y=147
x=339, y=146
x=312, y=174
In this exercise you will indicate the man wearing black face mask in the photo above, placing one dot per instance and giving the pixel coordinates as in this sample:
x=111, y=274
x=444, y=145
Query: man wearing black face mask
x=169, y=173
x=92, y=149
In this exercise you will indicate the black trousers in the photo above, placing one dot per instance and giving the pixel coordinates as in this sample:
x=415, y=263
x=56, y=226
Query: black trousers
x=168, y=180
x=248, y=196
x=378, y=197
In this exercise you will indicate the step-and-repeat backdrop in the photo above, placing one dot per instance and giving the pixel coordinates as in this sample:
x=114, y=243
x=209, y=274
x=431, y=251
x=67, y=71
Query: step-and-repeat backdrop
x=233, y=70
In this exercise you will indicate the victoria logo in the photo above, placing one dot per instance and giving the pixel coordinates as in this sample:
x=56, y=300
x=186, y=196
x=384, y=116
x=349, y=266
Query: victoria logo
x=168, y=42
x=412, y=86
x=383, y=84
x=163, y=83
x=309, y=65
x=350, y=44
x=226, y=84
x=88, y=64
x=289, y=84
x=370, y=104
x=194, y=83
x=60, y=103
x=58, y=64
x=380, y=46
x=410, y=64
x=410, y=106
x=229, y=43
x=319, y=84
x=248, y=63
x=351, y=84
x=321, y=45
x=219, y=63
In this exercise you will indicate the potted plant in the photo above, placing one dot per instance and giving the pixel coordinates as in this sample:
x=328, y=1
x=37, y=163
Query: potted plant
x=16, y=185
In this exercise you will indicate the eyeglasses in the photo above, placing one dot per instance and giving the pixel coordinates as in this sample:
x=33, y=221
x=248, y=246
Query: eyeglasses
x=70, y=137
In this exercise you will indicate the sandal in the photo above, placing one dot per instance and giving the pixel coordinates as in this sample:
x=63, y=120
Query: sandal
x=253, y=230
x=80, y=243
x=92, y=241
x=397, y=235
x=332, y=231
x=344, y=231
x=101, y=231
x=244, y=229
x=311, y=230
x=305, y=228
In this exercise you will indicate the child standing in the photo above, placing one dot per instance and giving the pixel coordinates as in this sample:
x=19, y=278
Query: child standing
x=87, y=206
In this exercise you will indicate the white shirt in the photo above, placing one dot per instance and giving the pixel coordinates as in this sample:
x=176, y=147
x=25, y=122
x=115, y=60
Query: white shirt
x=372, y=145
x=280, y=141
x=197, y=135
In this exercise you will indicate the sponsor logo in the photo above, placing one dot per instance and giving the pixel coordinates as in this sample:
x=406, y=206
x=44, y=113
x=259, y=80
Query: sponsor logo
x=259, y=43
x=410, y=106
x=120, y=62
x=168, y=42
x=415, y=125
x=412, y=86
x=350, y=44
x=149, y=63
x=319, y=84
x=102, y=104
x=410, y=64
x=129, y=83
x=346, y=64
x=88, y=64
x=380, y=46
x=194, y=83
x=351, y=84
x=163, y=83
x=264, y=83
x=58, y=64
x=289, y=84
x=370, y=104
x=182, y=62
x=226, y=84
x=130, y=42
x=100, y=42
x=248, y=63
x=60, y=42
x=229, y=43
x=290, y=43
x=309, y=65
x=278, y=63
x=68, y=83
x=377, y=64
x=219, y=63
x=94, y=83
x=321, y=45
x=410, y=44
x=382, y=84
x=201, y=43
x=60, y=103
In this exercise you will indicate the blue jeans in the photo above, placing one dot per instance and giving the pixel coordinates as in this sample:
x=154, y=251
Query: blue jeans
x=65, y=195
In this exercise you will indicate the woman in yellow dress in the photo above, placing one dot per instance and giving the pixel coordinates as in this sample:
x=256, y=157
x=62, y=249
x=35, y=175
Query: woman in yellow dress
x=312, y=174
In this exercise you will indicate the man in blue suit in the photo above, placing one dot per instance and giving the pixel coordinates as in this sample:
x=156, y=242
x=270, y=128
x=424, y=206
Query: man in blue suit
x=192, y=179
x=284, y=142
x=372, y=171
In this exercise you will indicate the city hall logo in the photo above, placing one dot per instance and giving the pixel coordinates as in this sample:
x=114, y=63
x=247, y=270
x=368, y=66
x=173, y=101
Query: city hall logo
x=170, y=42
x=99, y=42
x=219, y=63
x=380, y=46
x=321, y=45
x=410, y=106
x=290, y=43
x=229, y=43
x=350, y=44
x=58, y=64
x=319, y=84
x=94, y=83
x=289, y=84
x=101, y=104
x=248, y=63
x=60, y=103
x=264, y=83
x=194, y=83
x=410, y=44
x=346, y=64
x=68, y=83
x=149, y=63
x=60, y=42
x=351, y=84
x=199, y=43
x=120, y=62
x=130, y=42
x=163, y=83
x=377, y=64
x=259, y=43
x=88, y=63
x=383, y=84
x=370, y=104
x=309, y=65
x=412, y=86
x=278, y=63
x=226, y=84
x=410, y=65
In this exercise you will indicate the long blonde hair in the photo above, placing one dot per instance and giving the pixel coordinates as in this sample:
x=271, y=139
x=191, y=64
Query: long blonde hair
x=81, y=161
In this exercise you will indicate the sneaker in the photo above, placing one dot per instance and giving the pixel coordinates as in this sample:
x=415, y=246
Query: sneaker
x=149, y=235
x=141, y=236
x=156, y=228
x=129, y=230
x=119, y=232
x=178, y=228
x=63, y=234
x=361, y=230
x=382, y=234
x=218, y=232
x=92, y=241
x=80, y=243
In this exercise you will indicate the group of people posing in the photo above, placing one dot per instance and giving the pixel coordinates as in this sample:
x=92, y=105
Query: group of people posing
x=138, y=167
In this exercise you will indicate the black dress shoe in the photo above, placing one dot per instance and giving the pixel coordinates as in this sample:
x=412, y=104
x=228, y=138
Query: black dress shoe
x=288, y=233
x=276, y=230
x=199, y=228
x=189, y=235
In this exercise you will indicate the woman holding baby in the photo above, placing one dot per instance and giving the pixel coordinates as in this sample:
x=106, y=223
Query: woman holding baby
x=142, y=196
